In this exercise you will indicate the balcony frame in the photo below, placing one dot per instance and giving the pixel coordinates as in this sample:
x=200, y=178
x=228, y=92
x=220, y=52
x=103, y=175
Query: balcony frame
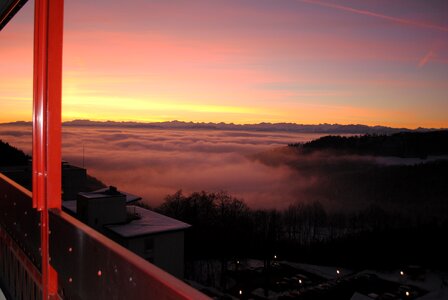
x=72, y=242
x=47, y=91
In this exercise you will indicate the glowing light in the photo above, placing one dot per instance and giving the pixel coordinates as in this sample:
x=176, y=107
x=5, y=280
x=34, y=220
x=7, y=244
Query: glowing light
x=338, y=272
x=401, y=273
x=275, y=256
x=407, y=293
x=99, y=272
x=241, y=292
x=300, y=281
x=238, y=262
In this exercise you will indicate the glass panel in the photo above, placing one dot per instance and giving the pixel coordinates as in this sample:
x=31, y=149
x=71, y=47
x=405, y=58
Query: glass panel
x=16, y=92
x=216, y=114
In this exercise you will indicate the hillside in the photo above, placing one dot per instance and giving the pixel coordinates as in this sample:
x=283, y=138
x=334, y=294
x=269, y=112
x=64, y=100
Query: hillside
x=11, y=156
x=403, y=144
x=16, y=165
x=353, y=172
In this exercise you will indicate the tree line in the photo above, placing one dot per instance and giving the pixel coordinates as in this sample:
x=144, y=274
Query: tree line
x=225, y=228
x=403, y=144
x=11, y=156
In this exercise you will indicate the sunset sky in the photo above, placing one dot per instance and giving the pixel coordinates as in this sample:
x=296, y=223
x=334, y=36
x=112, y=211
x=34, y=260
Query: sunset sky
x=375, y=62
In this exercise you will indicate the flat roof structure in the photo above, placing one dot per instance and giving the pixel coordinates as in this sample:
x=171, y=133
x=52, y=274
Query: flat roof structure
x=101, y=193
x=108, y=192
x=149, y=222
x=70, y=206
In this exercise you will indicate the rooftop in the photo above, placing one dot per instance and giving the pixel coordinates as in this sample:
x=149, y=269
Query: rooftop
x=150, y=222
x=107, y=192
x=66, y=165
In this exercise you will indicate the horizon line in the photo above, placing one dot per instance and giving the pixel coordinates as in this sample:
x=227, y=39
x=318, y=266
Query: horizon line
x=231, y=123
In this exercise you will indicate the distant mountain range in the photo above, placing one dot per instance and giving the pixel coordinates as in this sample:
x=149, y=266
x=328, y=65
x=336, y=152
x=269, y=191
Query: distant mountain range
x=282, y=127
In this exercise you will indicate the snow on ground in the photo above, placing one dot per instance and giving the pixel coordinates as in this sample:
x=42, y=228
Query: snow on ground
x=431, y=282
x=254, y=264
x=260, y=292
x=358, y=296
x=209, y=290
x=322, y=271
x=441, y=294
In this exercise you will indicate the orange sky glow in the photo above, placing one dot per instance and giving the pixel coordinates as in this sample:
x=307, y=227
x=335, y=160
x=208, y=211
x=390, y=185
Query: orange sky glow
x=303, y=61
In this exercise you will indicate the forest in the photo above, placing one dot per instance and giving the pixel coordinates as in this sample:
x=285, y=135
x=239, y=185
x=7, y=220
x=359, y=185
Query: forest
x=402, y=144
x=11, y=156
x=356, y=212
x=224, y=228
x=352, y=209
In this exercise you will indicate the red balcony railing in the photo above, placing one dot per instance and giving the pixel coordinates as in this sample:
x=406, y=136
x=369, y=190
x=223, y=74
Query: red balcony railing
x=88, y=265
x=45, y=253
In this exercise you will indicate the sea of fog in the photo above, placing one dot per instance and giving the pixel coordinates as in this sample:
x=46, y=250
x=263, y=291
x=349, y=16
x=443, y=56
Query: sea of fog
x=153, y=163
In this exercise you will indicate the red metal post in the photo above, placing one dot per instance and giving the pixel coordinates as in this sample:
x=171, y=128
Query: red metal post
x=48, y=29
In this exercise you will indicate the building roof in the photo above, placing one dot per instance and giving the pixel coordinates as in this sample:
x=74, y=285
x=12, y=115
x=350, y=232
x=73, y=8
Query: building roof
x=149, y=223
x=66, y=165
x=108, y=192
x=101, y=193
x=70, y=206
x=358, y=296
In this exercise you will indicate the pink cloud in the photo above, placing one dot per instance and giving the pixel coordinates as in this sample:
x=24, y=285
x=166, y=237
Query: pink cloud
x=425, y=59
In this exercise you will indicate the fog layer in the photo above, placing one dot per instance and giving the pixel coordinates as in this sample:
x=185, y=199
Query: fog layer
x=153, y=163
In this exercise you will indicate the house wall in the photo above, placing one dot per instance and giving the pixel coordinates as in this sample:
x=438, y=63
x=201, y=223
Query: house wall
x=165, y=250
x=101, y=211
x=73, y=181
